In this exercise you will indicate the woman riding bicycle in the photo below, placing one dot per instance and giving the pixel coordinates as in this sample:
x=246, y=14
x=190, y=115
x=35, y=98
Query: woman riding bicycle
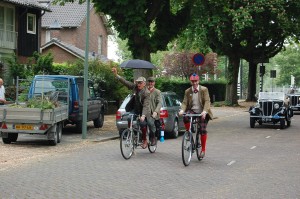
x=139, y=103
x=197, y=100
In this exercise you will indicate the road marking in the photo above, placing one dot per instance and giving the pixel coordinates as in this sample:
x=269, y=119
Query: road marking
x=268, y=137
x=230, y=163
x=253, y=147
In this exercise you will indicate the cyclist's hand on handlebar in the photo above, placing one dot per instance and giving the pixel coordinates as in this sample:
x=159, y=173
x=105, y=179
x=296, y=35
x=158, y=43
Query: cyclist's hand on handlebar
x=203, y=114
x=154, y=114
x=142, y=118
x=181, y=112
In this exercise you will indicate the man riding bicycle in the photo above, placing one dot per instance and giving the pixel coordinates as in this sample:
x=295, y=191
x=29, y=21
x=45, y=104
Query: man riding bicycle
x=155, y=106
x=139, y=103
x=197, y=100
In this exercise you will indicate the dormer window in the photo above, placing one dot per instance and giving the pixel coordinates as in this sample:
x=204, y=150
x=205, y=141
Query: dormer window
x=31, y=23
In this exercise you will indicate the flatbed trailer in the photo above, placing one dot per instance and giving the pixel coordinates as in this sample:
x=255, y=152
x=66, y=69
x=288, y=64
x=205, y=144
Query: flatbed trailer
x=35, y=121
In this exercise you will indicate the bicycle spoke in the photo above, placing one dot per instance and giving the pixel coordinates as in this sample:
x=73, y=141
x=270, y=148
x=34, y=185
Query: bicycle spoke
x=187, y=148
x=126, y=144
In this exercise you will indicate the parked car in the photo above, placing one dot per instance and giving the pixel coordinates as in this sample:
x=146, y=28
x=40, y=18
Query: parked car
x=173, y=123
x=294, y=100
x=271, y=107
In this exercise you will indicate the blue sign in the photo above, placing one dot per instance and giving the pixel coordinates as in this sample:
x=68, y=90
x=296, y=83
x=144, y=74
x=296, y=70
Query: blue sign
x=198, y=59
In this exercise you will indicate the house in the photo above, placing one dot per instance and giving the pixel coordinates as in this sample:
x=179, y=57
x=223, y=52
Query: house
x=20, y=22
x=64, y=32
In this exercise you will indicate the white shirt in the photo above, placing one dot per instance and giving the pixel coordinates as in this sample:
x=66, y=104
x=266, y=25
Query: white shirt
x=2, y=92
x=196, y=106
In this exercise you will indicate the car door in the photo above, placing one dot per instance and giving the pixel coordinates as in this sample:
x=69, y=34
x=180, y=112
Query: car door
x=176, y=106
x=94, y=103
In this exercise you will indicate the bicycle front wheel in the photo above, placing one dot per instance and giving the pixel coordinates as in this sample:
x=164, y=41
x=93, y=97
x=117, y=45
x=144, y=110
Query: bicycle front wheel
x=152, y=146
x=126, y=144
x=187, y=147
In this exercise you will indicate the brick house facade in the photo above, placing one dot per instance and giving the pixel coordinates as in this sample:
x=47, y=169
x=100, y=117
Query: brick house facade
x=67, y=41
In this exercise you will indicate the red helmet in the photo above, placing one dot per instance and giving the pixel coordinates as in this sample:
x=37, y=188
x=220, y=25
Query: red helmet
x=194, y=77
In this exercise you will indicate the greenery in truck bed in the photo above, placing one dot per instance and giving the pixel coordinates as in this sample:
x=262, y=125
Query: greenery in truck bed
x=42, y=103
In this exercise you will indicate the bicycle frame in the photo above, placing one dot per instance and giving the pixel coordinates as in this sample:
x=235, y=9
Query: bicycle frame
x=131, y=138
x=188, y=142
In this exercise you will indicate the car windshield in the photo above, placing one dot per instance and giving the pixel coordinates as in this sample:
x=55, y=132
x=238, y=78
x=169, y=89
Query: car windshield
x=126, y=100
x=271, y=96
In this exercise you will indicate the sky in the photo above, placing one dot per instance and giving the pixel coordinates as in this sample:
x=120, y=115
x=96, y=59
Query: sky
x=112, y=49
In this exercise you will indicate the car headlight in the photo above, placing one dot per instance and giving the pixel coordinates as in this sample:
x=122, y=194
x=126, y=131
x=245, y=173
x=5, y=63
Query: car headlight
x=276, y=106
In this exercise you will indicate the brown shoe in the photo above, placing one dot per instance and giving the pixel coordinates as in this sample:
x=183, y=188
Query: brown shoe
x=153, y=141
x=145, y=144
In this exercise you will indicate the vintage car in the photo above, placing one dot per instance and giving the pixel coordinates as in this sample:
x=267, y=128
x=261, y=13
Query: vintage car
x=294, y=99
x=271, y=107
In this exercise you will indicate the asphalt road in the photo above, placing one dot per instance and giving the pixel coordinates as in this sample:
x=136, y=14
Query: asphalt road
x=240, y=163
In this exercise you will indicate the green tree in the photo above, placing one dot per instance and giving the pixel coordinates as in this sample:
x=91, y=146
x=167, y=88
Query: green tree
x=149, y=25
x=41, y=64
x=15, y=69
x=244, y=29
x=287, y=63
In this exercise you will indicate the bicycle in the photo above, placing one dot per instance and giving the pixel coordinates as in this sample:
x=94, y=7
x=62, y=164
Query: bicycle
x=131, y=138
x=188, y=144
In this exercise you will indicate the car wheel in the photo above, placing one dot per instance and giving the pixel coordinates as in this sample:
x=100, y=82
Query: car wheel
x=98, y=123
x=252, y=122
x=282, y=123
x=175, y=129
x=79, y=126
x=288, y=121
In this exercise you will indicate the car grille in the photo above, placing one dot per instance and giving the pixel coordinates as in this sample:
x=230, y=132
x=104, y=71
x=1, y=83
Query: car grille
x=294, y=100
x=268, y=107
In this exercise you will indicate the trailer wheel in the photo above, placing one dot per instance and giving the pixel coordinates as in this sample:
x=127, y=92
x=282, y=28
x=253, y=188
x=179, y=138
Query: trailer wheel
x=6, y=140
x=11, y=137
x=59, y=132
x=55, y=136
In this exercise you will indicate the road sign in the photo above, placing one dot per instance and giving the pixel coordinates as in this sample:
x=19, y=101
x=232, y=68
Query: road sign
x=198, y=59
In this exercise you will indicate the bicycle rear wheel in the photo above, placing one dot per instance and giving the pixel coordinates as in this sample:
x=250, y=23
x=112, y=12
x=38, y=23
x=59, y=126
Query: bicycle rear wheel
x=187, y=147
x=126, y=144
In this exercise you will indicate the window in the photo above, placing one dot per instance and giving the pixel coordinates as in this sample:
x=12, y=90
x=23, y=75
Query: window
x=7, y=19
x=48, y=36
x=31, y=23
x=168, y=101
x=100, y=45
x=1, y=18
x=175, y=100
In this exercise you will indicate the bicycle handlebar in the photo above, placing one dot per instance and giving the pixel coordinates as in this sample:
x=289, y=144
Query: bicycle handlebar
x=192, y=114
x=130, y=114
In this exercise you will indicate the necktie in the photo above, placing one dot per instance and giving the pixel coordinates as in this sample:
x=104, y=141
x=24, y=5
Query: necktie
x=195, y=90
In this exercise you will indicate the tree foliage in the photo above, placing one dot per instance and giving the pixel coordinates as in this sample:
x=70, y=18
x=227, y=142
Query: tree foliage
x=288, y=63
x=245, y=29
x=149, y=25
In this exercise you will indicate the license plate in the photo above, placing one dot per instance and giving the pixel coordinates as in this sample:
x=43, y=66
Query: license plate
x=23, y=127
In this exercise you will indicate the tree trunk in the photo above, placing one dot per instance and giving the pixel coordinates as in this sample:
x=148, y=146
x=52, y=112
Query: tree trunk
x=252, y=82
x=232, y=79
x=143, y=55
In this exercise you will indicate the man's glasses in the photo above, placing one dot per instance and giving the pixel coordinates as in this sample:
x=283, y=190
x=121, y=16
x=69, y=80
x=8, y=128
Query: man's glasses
x=139, y=82
x=150, y=81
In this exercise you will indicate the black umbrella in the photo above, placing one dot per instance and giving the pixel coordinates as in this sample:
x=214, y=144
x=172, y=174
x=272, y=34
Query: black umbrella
x=137, y=64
